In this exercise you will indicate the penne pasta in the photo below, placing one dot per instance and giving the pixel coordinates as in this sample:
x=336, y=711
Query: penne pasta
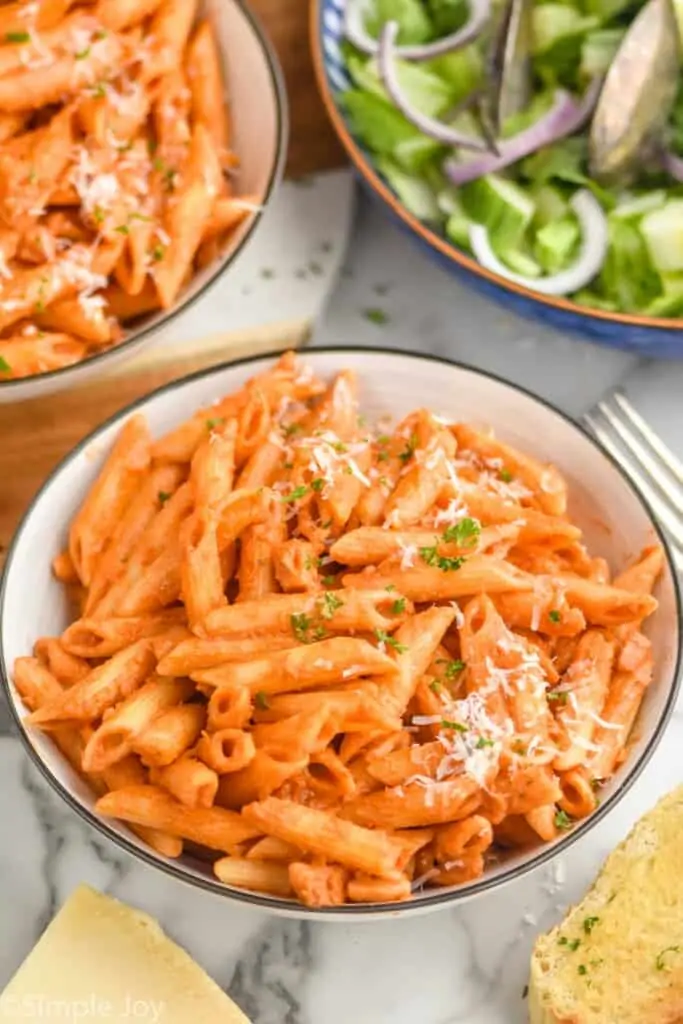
x=353, y=663
x=150, y=806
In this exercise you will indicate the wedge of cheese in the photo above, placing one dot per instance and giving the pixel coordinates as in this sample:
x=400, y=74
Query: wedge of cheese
x=617, y=958
x=102, y=960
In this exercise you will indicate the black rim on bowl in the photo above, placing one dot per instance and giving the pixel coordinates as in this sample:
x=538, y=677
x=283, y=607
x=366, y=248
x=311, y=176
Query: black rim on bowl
x=161, y=319
x=421, y=901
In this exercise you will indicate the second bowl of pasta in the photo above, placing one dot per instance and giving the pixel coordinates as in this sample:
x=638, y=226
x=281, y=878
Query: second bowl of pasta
x=139, y=145
x=370, y=634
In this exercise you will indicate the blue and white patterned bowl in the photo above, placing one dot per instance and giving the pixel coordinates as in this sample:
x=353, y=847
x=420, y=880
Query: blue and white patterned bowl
x=650, y=336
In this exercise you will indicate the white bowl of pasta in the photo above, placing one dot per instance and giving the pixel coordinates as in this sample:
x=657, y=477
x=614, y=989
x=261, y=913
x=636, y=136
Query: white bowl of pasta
x=298, y=644
x=139, y=144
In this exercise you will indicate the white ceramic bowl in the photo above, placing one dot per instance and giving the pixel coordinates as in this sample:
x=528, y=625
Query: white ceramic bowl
x=613, y=515
x=260, y=126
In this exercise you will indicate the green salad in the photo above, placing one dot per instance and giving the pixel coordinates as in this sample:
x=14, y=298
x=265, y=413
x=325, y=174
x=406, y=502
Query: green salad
x=522, y=133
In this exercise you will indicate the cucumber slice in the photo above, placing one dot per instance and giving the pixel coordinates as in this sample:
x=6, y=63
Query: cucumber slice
x=663, y=233
x=415, y=194
x=504, y=208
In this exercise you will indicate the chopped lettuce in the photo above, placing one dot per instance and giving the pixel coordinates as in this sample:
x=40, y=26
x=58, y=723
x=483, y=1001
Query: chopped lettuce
x=376, y=122
x=426, y=91
x=628, y=276
x=414, y=24
x=598, y=50
x=462, y=69
x=417, y=155
x=504, y=208
x=558, y=35
x=556, y=243
x=448, y=15
x=416, y=195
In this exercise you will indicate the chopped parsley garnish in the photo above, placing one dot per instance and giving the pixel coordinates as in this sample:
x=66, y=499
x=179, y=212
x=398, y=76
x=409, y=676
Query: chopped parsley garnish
x=589, y=924
x=390, y=586
x=506, y=476
x=101, y=34
x=158, y=253
x=382, y=456
x=4, y=365
x=299, y=492
x=582, y=969
x=383, y=439
x=212, y=424
x=17, y=37
x=432, y=557
x=409, y=449
x=554, y=615
x=339, y=447
x=446, y=723
x=481, y=743
x=122, y=229
x=329, y=581
x=464, y=533
x=453, y=668
x=317, y=484
x=292, y=428
x=330, y=604
x=559, y=698
x=82, y=54
x=660, y=962
x=563, y=821
x=376, y=316
x=99, y=90
x=98, y=215
x=163, y=497
x=435, y=686
x=385, y=638
x=571, y=944
x=398, y=606
x=300, y=626
x=261, y=700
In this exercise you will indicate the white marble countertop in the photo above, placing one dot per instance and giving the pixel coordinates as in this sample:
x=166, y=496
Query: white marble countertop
x=466, y=965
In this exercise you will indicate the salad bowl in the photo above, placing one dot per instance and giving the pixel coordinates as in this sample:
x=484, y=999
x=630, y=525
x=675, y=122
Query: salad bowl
x=652, y=327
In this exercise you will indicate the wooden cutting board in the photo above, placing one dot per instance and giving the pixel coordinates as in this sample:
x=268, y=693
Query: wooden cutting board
x=35, y=435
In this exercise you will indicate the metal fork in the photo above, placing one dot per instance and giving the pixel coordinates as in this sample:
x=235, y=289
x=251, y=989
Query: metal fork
x=651, y=465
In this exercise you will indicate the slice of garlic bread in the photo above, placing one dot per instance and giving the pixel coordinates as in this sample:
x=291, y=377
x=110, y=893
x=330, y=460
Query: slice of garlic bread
x=617, y=958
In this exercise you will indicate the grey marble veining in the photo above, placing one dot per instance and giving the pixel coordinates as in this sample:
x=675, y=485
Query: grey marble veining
x=458, y=966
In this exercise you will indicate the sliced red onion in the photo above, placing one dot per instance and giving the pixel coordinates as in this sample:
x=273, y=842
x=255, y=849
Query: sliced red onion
x=673, y=164
x=427, y=125
x=356, y=33
x=564, y=118
x=594, y=240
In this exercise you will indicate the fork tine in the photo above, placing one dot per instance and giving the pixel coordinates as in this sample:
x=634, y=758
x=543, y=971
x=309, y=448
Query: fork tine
x=670, y=520
x=668, y=484
x=671, y=461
